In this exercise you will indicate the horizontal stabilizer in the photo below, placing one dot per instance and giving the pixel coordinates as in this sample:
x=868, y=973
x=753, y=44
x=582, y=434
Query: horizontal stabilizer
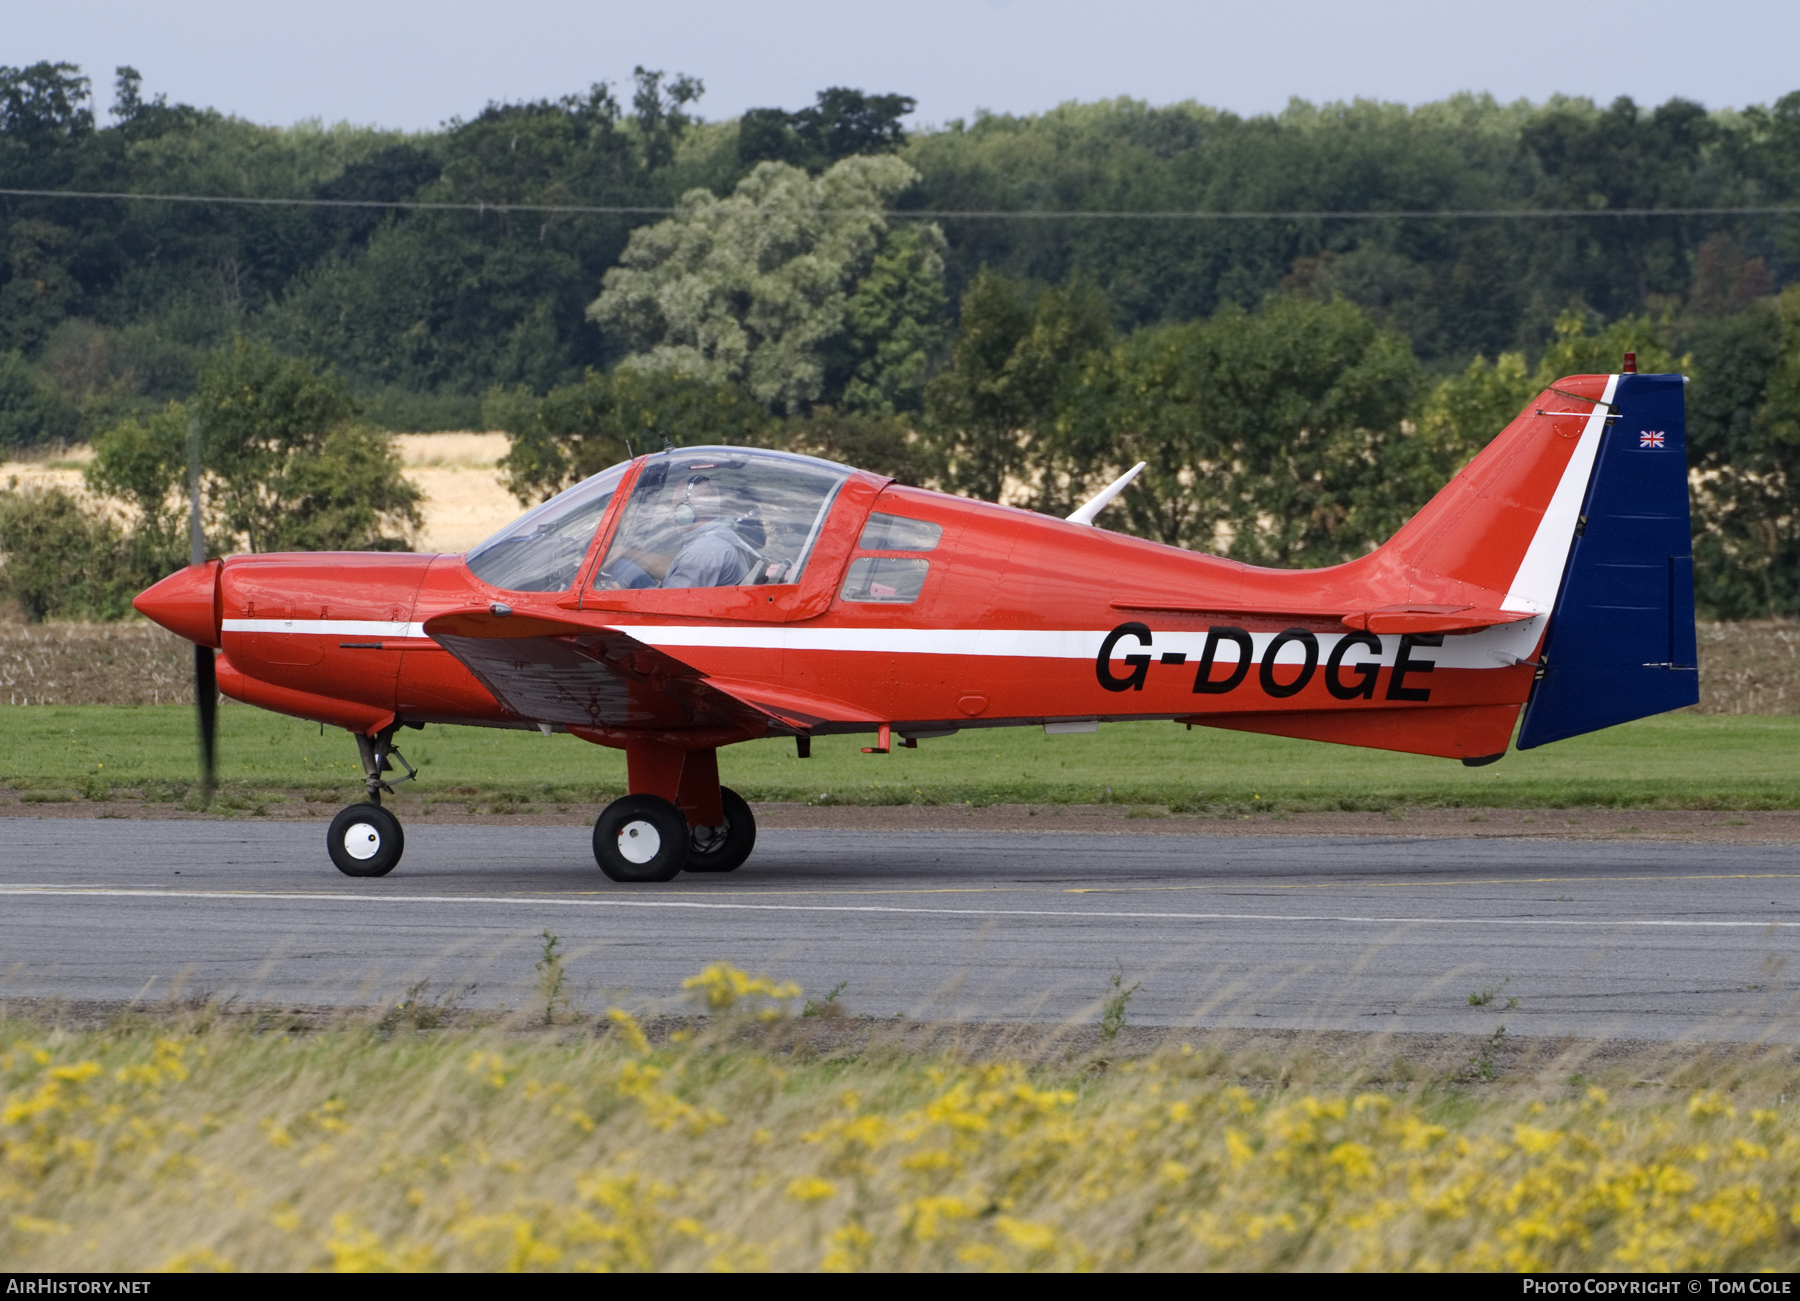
x=1432, y=618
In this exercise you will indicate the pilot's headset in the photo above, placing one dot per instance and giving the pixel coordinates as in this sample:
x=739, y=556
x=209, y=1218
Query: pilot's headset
x=684, y=510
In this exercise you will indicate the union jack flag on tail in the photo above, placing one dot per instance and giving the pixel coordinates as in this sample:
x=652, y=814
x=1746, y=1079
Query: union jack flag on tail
x=1650, y=438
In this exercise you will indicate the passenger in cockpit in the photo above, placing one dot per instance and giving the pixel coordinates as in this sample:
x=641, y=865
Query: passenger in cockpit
x=713, y=553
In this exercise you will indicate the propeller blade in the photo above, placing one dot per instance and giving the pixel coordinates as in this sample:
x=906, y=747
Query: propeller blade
x=206, y=676
x=206, y=696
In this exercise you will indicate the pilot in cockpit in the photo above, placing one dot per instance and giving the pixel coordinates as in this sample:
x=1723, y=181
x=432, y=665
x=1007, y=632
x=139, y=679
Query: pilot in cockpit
x=714, y=552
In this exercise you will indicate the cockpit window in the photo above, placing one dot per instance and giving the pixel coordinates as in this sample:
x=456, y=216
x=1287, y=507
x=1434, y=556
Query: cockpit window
x=720, y=517
x=542, y=549
x=885, y=578
x=898, y=533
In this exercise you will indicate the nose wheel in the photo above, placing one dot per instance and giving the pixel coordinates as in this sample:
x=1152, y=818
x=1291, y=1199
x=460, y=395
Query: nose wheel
x=365, y=840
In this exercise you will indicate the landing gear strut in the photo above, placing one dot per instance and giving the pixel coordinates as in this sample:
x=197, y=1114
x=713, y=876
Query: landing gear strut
x=365, y=839
x=677, y=817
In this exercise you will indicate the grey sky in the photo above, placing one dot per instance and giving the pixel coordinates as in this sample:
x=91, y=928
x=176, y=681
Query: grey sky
x=406, y=63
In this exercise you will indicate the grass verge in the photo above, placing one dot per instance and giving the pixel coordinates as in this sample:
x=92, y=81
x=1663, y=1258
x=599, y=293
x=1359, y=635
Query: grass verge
x=1677, y=761
x=192, y=1140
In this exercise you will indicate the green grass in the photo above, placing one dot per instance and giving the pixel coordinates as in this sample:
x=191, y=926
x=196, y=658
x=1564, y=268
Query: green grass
x=1675, y=761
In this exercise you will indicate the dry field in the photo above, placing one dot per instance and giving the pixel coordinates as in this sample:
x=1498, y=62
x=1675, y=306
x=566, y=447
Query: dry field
x=134, y=663
x=139, y=664
x=464, y=501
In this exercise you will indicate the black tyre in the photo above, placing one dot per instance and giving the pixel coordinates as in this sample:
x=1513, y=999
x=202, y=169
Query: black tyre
x=365, y=840
x=723, y=849
x=641, y=838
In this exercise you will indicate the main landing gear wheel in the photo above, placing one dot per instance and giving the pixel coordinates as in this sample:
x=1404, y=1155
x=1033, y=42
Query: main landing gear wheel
x=365, y=840
x=641, y=838
x=723, y=849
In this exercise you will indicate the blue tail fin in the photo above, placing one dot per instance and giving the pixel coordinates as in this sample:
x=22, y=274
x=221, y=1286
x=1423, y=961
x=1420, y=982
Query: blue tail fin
x=1621, y=643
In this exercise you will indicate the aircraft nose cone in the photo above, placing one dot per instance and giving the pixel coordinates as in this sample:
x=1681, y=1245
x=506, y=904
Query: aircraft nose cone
x=185, y=603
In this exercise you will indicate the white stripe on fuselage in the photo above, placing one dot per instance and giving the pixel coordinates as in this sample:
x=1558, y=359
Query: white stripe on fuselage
x=1539, y=578
x=1486, y=648
x=376, y=628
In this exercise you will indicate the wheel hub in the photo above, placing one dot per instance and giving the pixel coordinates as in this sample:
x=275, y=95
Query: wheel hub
x=639, y=842
x=362, y=841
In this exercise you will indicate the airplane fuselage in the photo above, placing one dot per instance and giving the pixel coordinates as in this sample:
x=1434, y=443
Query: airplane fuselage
x=1021, y=619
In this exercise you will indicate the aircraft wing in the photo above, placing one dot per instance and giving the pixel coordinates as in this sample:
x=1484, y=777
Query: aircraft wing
x=604, y=681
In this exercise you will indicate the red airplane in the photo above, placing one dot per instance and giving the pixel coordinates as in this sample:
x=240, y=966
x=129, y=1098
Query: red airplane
x=703, y=596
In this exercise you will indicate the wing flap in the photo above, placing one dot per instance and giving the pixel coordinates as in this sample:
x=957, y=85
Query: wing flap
x=602, y=680
x=802, y=708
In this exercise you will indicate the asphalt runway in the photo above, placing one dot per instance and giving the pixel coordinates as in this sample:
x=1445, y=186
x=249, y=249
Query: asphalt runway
x=1659, y=940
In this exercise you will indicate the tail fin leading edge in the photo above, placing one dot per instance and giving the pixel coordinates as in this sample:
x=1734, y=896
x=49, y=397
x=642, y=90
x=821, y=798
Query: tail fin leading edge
x=1621, y=642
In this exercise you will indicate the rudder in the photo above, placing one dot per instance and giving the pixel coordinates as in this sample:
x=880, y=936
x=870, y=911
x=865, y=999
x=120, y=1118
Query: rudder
x=1621, y=641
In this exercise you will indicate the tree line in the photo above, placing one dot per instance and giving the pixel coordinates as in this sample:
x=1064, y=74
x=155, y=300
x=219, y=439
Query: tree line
x=1298, y=433
x=1298, y=386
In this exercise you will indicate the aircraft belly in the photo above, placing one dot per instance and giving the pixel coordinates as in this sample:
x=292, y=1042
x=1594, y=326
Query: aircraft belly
x=1452, y=732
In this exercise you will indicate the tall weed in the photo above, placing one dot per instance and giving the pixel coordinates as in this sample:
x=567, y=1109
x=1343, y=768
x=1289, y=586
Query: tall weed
x=190, y=1143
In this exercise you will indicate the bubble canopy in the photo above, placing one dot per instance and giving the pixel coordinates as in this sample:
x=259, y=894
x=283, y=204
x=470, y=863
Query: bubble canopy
x=697, y=517
x=720, y=517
